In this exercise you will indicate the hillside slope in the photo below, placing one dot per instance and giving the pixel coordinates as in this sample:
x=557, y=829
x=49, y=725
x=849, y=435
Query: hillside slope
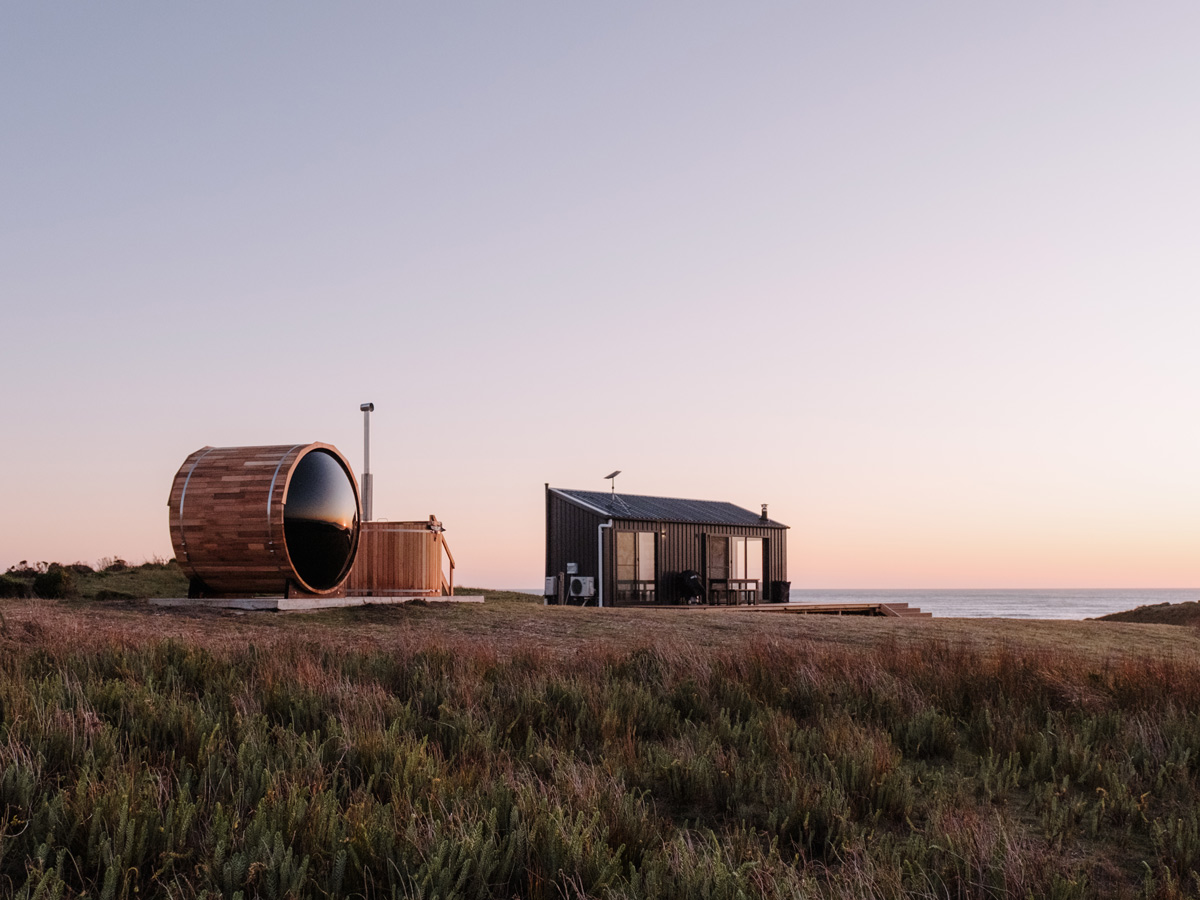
x=1187, y=613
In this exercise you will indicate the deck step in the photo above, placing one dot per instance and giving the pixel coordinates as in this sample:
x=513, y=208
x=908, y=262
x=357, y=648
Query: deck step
x=895, y=610
x=903, y=610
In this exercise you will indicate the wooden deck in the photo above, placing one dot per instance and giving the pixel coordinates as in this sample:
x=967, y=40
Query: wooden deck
x=896, y=610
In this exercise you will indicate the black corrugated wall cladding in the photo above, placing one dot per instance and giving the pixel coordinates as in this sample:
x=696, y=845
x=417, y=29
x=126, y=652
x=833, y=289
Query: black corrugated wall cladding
x=570, y=537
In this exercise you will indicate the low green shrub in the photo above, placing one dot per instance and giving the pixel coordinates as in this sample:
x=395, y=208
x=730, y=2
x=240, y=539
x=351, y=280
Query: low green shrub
x=56, y=583
x=12, y=588
x=24, y=570
x=109, y=594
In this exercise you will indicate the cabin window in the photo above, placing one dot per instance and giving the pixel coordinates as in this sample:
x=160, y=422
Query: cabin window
x=635, y=566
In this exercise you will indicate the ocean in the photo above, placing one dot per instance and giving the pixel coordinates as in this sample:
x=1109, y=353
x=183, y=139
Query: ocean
x=1009, y=604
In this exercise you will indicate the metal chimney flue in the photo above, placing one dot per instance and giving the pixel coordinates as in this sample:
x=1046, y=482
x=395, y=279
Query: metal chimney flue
x=764, y=513
x=367, y=409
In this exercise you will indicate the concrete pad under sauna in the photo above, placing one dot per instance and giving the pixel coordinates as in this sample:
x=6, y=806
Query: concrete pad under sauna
x=300, y=604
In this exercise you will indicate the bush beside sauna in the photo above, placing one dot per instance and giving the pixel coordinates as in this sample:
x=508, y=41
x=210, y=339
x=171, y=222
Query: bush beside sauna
x=56, y=583
x=11, y=588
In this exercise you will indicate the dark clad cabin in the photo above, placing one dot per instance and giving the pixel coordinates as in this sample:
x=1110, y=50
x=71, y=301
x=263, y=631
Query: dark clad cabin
x=661, y=551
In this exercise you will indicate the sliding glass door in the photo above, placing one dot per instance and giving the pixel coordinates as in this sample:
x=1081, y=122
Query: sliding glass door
x=636, y=567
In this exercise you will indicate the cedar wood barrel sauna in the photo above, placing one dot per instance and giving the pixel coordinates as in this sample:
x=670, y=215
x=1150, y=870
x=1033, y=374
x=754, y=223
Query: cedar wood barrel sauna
x=265, y=520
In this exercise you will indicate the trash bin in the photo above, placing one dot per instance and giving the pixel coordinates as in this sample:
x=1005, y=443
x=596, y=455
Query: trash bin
x=781, y=591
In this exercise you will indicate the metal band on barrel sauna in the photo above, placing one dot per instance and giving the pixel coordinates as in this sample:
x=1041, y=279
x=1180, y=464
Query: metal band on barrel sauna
x=262, y=520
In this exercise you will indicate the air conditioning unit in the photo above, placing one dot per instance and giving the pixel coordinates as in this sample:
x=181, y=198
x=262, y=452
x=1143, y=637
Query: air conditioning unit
x=581, y=586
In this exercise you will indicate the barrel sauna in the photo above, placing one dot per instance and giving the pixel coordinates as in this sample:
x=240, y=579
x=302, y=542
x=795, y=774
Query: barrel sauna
x=265, y=520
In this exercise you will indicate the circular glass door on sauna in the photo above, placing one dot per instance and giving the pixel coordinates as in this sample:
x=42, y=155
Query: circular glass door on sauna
x=320, y=519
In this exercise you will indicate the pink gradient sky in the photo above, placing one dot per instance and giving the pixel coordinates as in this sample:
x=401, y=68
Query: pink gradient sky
x=925, y=280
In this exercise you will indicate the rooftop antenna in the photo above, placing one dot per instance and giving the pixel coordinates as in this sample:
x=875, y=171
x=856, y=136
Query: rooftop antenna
x=367, y=409
x=612, y=477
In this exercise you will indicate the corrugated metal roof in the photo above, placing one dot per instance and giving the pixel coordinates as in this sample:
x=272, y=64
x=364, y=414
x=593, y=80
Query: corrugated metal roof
x=666, y=509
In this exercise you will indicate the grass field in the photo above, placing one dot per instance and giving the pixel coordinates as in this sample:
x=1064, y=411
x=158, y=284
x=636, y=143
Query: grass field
x=512, y=749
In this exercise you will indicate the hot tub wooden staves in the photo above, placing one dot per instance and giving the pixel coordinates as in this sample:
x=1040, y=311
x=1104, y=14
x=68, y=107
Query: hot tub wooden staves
x=402, y=559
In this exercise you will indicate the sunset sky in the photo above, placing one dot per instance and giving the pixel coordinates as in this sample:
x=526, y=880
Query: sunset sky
x=923, y=277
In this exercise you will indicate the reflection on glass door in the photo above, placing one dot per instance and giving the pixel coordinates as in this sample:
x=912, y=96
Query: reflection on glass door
x=735, y=569
x=636, y=567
